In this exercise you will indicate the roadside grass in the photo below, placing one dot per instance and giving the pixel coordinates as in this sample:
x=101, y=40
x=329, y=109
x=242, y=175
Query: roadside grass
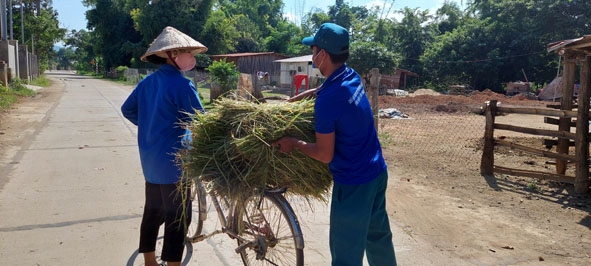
x=17, y=89
x=41, y=81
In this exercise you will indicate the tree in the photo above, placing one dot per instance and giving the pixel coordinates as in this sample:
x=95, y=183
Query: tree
x=64, y=58
x=410, y=37
x=367, y=55
x=133, y=25
x=248, y=37
x=286, y=39
x=188, y=16
x=340, y=13
x=82, y=43
x=112, y=36
x=218, y=33
x=265, y=14
x=448, y=17
x=41, y=29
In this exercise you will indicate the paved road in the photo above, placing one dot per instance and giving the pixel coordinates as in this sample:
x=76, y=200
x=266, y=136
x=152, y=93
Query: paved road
x=71, y=191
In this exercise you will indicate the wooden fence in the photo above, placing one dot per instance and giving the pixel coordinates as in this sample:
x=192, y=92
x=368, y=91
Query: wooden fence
x=580, y=138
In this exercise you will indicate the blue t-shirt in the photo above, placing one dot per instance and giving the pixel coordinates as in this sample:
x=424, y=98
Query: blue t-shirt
x=158, y=105
x=342, y=107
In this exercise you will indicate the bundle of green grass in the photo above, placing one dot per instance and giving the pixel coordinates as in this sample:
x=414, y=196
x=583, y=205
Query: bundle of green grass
x=232, y=149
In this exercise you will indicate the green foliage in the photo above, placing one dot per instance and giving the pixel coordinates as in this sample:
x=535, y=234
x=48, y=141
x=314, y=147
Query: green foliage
x=9, y=95
x=248, y=37
x=202, y=61
x=365, y=56
x=188, y=16
x=41, y=29
x=286, y=39
x=85, y=57
x=484, y=46
x=218, y=33
x=41, y=81
x=224, y=73
x=113, y=39
x=341, y=14
x=121, y=72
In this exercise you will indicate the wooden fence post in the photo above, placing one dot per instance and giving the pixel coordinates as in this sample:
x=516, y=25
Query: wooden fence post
x=488, y=161
x=566, y=103
x=374, y=88
x=582, y=136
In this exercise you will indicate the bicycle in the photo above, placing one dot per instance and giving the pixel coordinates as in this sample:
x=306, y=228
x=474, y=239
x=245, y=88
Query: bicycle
x=264, y=224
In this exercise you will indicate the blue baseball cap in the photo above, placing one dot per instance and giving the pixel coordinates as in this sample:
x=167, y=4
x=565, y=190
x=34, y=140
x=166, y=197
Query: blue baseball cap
x=330, y=37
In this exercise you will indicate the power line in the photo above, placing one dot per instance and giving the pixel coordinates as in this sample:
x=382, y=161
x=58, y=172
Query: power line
x=475, y=60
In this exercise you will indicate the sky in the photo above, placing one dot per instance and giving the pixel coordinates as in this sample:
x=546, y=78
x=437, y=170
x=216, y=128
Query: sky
x=71, y=12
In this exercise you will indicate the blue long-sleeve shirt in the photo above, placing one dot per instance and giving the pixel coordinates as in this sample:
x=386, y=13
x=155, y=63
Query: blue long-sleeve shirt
x=158, y=106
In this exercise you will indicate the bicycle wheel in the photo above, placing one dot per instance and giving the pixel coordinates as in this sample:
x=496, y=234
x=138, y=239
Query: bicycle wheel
x=198, y=211
x=271, y=231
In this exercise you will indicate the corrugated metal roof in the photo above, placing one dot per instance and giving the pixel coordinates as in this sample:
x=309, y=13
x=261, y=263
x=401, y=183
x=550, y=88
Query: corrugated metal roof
x=577, y=43
x=247, y=54
x=299, y=59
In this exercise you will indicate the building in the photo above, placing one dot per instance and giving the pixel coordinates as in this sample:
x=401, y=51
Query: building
x=294, y=66
x=253, y=63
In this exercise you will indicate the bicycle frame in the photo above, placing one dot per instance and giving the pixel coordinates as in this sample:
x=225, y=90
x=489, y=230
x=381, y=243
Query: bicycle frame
x=224, y=220
x=221, y=217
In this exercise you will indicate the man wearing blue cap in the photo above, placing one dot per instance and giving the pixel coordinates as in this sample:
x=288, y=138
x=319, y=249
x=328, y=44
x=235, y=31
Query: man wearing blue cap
x=347, y=140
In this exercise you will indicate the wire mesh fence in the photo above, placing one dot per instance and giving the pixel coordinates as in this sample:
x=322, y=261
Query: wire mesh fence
x=430, y=142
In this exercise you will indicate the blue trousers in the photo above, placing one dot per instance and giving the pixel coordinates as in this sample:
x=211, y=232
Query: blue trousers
x=359, y=223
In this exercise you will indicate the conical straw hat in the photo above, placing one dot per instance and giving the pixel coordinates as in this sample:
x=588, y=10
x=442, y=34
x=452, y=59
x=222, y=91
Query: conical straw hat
x=171, y=39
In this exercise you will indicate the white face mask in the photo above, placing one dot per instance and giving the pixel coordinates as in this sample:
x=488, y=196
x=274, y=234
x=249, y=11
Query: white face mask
x=185, y=61
x=314, y=57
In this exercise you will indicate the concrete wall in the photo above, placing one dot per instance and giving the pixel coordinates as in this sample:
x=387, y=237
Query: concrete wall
x=19, y=62
x=23, y=63
x=16, y=72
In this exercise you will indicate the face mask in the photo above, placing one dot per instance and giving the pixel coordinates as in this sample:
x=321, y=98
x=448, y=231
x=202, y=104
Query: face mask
x=314, y=66
x=185, y=61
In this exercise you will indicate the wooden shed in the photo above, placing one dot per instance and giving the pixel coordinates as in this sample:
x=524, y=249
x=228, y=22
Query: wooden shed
x=252, y=63
x=397, y=81
x=575, y=54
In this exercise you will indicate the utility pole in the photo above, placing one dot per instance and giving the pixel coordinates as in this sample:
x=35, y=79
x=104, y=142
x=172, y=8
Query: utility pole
x=3, y=19
x=10, y=17
x=22, y=23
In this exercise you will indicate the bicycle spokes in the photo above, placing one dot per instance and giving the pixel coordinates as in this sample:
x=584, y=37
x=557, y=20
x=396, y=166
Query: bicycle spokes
x=267, y=235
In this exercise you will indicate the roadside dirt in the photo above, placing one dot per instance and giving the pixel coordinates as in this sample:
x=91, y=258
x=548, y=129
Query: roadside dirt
x=439, y=196
x=436, y=192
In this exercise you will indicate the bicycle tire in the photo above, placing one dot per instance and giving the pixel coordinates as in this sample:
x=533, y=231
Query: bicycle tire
x=198, y=211
x=284, y=242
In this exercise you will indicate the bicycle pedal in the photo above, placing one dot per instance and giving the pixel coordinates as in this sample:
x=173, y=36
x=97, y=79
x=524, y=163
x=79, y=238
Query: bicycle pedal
x=243, y=247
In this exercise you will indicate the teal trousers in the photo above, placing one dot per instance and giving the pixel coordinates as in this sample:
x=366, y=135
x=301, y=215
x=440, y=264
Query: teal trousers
x=359, y=223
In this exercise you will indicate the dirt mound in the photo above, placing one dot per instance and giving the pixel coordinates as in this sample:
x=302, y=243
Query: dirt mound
x=425, y=100
x=424, y=92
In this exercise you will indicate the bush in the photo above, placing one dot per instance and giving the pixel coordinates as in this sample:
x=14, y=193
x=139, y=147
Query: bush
x=121, y=72
x=225, y=74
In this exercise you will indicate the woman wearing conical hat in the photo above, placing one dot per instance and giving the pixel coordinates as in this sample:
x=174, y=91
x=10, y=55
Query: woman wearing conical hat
x=157, y=106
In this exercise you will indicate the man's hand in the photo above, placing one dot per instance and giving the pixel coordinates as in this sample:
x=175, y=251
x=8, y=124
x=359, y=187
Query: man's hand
x=306, y=94
x=285, y=144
